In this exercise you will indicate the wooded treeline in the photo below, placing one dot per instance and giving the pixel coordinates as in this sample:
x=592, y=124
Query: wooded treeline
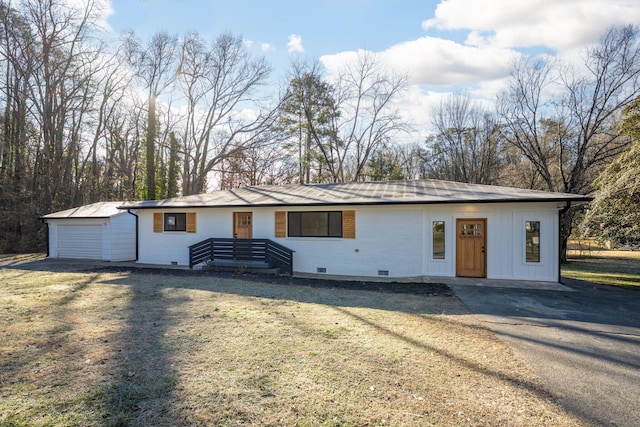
x=86, y=118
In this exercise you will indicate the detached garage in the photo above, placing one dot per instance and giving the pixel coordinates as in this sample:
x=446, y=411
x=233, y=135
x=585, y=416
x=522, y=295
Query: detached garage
x=99, y=231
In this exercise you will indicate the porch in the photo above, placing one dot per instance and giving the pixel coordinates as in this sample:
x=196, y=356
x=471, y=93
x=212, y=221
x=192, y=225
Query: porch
x=242, y=253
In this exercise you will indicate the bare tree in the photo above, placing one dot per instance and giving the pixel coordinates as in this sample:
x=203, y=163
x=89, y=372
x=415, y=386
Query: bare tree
x=110, y=88
x=18, y=68
x=564, y=120
x=368, y=119
x=220, y=82
x=465, y=147
x=122, y=151
x=156, y=65
x=52, y=72
x=339, y=123
x=51, y=66
x=268, y=165
x=60, y=91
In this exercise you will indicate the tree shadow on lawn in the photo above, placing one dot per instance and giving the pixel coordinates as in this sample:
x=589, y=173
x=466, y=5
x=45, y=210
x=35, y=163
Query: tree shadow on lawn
x=46, y=339
x=136, y=382
x=70, y=365
x=139, y=390
x=423, y=300
x=48, y=356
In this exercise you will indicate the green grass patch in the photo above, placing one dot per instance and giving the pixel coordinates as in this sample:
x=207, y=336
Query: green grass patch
x=613, y=273
x=606, y=267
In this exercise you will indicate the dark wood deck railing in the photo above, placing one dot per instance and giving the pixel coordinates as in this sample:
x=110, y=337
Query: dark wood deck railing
x=242, y=250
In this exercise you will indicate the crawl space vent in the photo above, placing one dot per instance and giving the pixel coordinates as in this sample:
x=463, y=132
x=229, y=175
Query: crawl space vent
x=383, y=272
x=321, y=270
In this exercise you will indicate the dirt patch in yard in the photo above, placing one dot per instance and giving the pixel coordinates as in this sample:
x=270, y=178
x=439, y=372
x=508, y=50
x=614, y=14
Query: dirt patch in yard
x=143, y=347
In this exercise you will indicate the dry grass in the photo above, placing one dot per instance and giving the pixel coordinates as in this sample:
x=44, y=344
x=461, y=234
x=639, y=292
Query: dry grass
x=615, y=268
x=133, y=348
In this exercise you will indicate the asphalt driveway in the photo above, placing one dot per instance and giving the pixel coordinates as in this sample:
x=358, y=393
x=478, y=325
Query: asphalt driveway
x=583, y=340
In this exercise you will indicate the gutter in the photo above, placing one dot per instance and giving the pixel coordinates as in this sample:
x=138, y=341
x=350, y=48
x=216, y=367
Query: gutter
x=131, y=213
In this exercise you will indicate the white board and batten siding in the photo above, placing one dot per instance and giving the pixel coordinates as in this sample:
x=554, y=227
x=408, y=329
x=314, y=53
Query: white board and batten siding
x=505, y=247
x=390, y=239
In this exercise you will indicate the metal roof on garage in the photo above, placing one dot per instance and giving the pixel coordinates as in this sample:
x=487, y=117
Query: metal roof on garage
x=94, y=210
x=425, y=191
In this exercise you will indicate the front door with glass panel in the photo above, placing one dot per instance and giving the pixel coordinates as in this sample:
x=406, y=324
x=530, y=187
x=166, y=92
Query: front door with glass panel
x=242, y=225
x=242, y=229
x=471, y=243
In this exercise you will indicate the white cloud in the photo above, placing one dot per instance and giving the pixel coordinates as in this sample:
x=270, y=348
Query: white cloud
x=415, y=106
x=497, y=29
x=295, y=44
x=488, y=90
x=429, y=63
x=437, y=62
x=266, y=47
x=552, y=23
x=247, y=43
x=494, y=33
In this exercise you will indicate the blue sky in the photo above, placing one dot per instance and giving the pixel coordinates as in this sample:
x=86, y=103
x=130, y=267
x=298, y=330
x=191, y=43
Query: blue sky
x=443, y=46
x=326, y=26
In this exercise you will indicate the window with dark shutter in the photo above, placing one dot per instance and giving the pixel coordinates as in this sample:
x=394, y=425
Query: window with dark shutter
x=175, y=222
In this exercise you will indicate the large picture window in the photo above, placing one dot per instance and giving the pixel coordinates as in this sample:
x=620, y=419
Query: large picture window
x=175, y=222
x=532, y=241
x=315, y=224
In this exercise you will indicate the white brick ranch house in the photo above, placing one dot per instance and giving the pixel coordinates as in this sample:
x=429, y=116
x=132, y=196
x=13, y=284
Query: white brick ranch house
x=416, y=230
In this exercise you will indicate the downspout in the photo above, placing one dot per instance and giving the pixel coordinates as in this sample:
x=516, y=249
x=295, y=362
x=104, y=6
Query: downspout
x=129, y=212
x=560, y=212
x=44, y=221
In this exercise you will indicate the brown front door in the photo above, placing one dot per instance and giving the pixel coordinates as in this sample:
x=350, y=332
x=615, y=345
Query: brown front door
x=242, y=225
x=471, y=243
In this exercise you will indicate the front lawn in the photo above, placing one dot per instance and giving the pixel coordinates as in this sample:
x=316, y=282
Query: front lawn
x=152, y=348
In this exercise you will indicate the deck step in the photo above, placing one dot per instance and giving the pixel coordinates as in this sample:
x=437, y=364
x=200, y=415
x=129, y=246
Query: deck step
x=235, y=263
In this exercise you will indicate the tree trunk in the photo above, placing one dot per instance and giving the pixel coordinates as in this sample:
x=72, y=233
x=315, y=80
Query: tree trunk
x=566, y=221
x=150, y=151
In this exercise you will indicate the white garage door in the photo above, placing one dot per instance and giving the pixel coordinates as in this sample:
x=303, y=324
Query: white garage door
x=80, y=241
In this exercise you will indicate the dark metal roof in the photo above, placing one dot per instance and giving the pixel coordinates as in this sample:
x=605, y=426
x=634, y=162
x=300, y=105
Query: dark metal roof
x=424, y=191
x=94, y=210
